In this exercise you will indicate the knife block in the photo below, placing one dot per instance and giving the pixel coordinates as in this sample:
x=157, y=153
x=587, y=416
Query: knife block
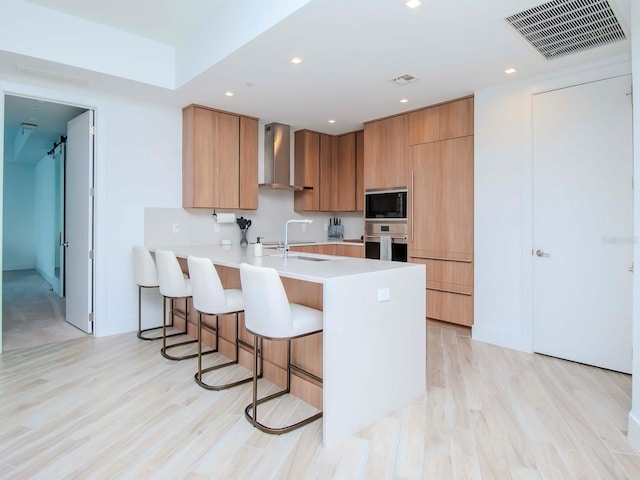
x=336, y=231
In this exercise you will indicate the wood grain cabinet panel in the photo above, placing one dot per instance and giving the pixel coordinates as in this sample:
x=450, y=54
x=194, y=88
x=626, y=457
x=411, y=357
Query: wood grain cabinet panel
x=328, y=173
x=360, y=171
x=327, y=163
x=344, y=180
x=386, y=153
x=441, y=122
x=219, y=159
x=450, y=307
x=456, y=119
x=442, y=200
x=307, y=170
x=424, y=126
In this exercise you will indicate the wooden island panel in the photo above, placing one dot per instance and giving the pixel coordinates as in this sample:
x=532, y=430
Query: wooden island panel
x=306, y=352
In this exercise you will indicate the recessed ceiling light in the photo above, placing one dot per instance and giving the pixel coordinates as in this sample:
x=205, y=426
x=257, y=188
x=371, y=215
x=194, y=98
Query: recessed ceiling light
x=296, y=60
x=332, y=121
x=413, y=3
x=404, y=100
x=509, y=71
x=229, y=94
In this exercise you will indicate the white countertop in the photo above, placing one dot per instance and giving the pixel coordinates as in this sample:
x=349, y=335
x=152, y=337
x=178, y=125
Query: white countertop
x=291, y=267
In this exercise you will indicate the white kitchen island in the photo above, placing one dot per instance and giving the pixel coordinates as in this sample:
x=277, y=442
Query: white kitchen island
x=373, y=342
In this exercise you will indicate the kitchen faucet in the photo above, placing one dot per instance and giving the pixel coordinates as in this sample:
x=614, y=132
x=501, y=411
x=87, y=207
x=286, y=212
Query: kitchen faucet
x=286, y=236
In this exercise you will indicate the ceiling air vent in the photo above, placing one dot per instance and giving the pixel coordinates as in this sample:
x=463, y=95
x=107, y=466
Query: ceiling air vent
x=404, y=79
x=563, y=27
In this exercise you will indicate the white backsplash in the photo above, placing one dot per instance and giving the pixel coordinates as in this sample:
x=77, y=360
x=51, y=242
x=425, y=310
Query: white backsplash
x=197, y=226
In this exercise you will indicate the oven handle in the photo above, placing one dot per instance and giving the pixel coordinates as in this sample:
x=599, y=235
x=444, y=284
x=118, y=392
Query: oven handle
x=412, y=205
x=393, y=237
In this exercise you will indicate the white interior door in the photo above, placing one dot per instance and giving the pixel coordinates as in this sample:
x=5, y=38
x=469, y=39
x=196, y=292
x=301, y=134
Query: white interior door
x=583, y=223
x=79, y=221
x=59, y=287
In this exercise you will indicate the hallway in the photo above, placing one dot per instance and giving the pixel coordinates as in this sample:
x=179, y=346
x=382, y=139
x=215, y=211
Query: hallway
x=32, y=314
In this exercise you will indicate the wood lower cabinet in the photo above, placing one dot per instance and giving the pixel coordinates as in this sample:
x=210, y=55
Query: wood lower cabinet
x=219, y=159
x=386, y=153
x=339, y=249
x=328, y=164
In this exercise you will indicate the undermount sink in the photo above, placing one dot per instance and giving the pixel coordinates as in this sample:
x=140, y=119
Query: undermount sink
x=299, y=257
x=313, y=259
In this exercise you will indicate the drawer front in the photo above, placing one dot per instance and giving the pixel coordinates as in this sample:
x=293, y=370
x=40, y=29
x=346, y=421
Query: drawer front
x=450, y=307
x=444, y=272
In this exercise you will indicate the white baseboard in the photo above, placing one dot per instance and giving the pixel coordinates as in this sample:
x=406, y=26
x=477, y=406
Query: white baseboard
x=52, y=280
x=633, y=431
x=17, y=266
x=501, y=338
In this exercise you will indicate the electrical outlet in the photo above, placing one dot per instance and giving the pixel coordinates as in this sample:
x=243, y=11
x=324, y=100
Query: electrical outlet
x=304, y=227
x=216, y=227
x=383, y=295
x=175, y=228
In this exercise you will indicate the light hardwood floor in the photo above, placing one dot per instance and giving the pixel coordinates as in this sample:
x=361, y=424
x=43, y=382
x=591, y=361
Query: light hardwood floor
x=114, y=408
x=32, y=314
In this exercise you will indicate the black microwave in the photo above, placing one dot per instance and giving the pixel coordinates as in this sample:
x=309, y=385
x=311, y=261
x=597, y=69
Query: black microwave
x=385, y=203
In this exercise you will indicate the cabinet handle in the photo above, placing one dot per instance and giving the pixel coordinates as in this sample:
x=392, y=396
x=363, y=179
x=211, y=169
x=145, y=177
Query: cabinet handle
x=412, y=205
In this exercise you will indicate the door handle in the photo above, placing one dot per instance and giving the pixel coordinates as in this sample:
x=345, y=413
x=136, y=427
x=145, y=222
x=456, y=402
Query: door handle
x=541, y=253
x=65, y=244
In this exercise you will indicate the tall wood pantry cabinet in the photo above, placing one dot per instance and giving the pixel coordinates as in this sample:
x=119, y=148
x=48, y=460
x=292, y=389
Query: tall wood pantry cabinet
x=219, y=159
x=441, y=216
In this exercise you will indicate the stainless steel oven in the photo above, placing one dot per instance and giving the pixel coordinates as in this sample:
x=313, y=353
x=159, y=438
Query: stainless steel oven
x=385, y=240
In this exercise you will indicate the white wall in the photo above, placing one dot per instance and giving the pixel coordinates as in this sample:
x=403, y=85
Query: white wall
x=138, y=163
x=634, y=415
x=18, y=245
x=45, y=219
x=503, y=203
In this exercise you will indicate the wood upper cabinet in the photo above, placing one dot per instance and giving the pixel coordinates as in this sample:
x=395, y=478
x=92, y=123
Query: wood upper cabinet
x=441, y=122
x=328, y=173
x=360, y=171
x=219, y=159
x=306, y=170
x=248, y=163
x=345, y=169
x=328, y=164
x=386, y=153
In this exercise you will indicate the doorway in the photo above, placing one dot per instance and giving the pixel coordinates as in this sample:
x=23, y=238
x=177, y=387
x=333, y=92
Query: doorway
x=583, y=223
x=35, y=301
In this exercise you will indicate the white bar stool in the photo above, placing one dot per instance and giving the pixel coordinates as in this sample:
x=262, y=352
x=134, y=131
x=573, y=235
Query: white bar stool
x=173, y=285
x=210, y=298
x=146, y=276
x=268, y=314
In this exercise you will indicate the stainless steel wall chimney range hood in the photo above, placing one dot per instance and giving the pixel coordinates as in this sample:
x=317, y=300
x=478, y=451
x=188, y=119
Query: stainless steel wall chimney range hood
x=277, y=158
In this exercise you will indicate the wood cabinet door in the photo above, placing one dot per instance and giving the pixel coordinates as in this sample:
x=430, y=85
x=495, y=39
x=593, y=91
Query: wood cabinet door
x=248, y=163
x=328, y=174
x=442, y=200
x=204, y=144
x=227, y=161
x=360, y=171
x=307, y=170
x=424, y=126
x=386, y=153
x=344, y=185
x=456, y=119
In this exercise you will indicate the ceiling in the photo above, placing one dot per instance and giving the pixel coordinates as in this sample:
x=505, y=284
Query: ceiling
x=351, y=49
